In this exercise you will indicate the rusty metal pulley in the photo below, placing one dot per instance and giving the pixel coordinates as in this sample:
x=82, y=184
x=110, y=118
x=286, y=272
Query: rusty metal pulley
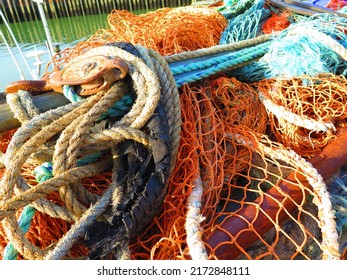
x=92, y=74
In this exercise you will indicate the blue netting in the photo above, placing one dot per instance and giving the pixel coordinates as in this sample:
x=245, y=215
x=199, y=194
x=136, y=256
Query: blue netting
x=300, y=54
x=250, y=73
x=233, y=8
x=246, y=25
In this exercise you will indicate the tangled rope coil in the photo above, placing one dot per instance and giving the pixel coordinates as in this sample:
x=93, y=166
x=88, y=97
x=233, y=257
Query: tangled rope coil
x=153, y=122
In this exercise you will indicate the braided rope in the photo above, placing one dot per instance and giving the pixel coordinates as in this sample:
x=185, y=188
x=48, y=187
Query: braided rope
x=219, y=49
x=146, y=85
x=42, y=173
x=170, y=97
x=113, y=193
x=194, y=231
x=74, y=122
x=68, y=144
x=214, y=60
x=282, y=113
x=24, y=221
x=192, y=66
x=192, y=72
x=22, y=106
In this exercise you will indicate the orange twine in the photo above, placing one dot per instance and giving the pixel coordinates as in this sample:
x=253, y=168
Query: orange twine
x=276, y=23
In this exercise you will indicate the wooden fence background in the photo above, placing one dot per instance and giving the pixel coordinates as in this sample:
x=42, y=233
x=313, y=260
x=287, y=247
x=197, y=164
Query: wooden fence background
x=26, y=10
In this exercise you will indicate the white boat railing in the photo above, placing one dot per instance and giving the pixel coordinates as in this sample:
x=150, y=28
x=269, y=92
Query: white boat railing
x=34, y=73
x=45, y=25
x=21, y=74
x=17, y=46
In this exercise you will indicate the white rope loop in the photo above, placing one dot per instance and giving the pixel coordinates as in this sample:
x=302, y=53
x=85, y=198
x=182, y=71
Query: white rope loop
x=194, y=231
x=146, y=85
x=287, y=116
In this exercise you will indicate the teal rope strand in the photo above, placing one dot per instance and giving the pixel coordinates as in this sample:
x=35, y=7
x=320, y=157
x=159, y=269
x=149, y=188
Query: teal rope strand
x=24, y=221
x=89, y=158
x=71, y=95
x=241, y=55
x=117, y=110
x=42, y=173
x=228, y=61
x=187, y=73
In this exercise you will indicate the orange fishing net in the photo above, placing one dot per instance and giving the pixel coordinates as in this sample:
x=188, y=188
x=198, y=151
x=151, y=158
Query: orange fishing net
x=170, y=31
x=209, y=111
x=166, y=30
x=246, y=197
x=336, y=4
x=318, y=101
x=276, y=22
x=259, y=198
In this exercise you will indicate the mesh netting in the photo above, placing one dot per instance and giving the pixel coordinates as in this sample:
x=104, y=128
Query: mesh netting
x=171, y=30
x=166, y=30
x=276, y=22
x=245, y=26
x=336, y=4
x=306, y=111
x=246, y=189
x=258, y=198
x=206, y=116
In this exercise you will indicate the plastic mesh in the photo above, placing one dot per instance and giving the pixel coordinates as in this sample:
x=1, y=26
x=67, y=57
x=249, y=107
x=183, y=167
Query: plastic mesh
x=206, y=115
x=167, y=31
x=246, y=25
x=276, y=22
x=321, y=100
x=218, y=117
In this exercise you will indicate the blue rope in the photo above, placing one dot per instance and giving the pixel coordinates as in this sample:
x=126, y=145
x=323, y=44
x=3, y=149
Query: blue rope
x=44, y=172
x=250, y=73
x=198, y=71
x=117, y=110
x=24, y=222
x=240, y=56
x=187, y=73
x=71, y=95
